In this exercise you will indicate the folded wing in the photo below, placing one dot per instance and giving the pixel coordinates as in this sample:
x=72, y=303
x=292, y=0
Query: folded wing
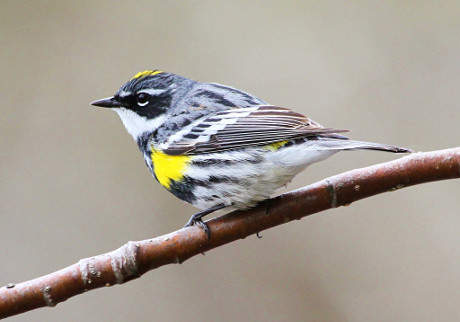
x=242, y=127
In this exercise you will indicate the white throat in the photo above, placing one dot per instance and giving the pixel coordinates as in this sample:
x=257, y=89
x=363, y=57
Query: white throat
x=137, y=125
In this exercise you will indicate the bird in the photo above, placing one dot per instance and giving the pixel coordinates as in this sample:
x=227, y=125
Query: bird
x=215, y=146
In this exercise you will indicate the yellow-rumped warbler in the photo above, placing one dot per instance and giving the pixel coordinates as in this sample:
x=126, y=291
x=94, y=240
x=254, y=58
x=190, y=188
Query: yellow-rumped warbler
x=215, y=146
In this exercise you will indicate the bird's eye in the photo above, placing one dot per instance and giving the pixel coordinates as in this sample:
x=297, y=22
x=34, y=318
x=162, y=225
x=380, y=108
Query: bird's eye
x=142, y=99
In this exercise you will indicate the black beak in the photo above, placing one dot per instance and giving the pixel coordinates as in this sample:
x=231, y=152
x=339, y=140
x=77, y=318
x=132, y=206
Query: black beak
x=109, y=102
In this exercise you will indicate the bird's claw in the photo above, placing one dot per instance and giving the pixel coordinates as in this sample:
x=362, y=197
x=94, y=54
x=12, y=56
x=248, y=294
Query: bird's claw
x=198, y=222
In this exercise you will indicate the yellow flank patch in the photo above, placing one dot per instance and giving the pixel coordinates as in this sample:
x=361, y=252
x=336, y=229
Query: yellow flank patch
x=168, y=168
x=275, y=146
x=147, y=73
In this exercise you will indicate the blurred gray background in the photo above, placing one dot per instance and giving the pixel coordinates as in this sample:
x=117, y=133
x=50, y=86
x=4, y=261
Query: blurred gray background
x=73, y=183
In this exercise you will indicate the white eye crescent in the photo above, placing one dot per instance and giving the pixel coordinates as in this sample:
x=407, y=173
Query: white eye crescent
x=142, y=99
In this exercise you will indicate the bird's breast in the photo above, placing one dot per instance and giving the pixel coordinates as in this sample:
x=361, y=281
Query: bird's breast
x=168, y=168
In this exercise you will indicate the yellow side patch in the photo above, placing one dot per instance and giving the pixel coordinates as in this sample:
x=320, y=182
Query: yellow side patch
x=275, y=146
x=168, y=168
x=147, y=73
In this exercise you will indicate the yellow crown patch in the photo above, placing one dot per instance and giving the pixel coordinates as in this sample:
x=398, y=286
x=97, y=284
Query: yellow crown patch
x=147, y=73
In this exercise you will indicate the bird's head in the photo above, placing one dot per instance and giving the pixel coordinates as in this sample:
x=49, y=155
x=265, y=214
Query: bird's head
x=142, y=103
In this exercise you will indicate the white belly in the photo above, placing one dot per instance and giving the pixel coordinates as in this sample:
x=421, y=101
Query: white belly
x=247, y=183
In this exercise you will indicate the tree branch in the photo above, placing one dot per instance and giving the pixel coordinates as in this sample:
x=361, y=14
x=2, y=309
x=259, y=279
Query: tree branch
x=136, y=258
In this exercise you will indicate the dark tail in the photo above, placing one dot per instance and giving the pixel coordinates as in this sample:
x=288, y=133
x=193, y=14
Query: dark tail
x=338, y=142
x=378, y=147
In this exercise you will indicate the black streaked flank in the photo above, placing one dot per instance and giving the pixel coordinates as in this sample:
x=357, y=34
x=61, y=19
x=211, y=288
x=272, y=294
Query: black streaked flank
x=214, y=180
x=222, y=162
x=183, y=189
